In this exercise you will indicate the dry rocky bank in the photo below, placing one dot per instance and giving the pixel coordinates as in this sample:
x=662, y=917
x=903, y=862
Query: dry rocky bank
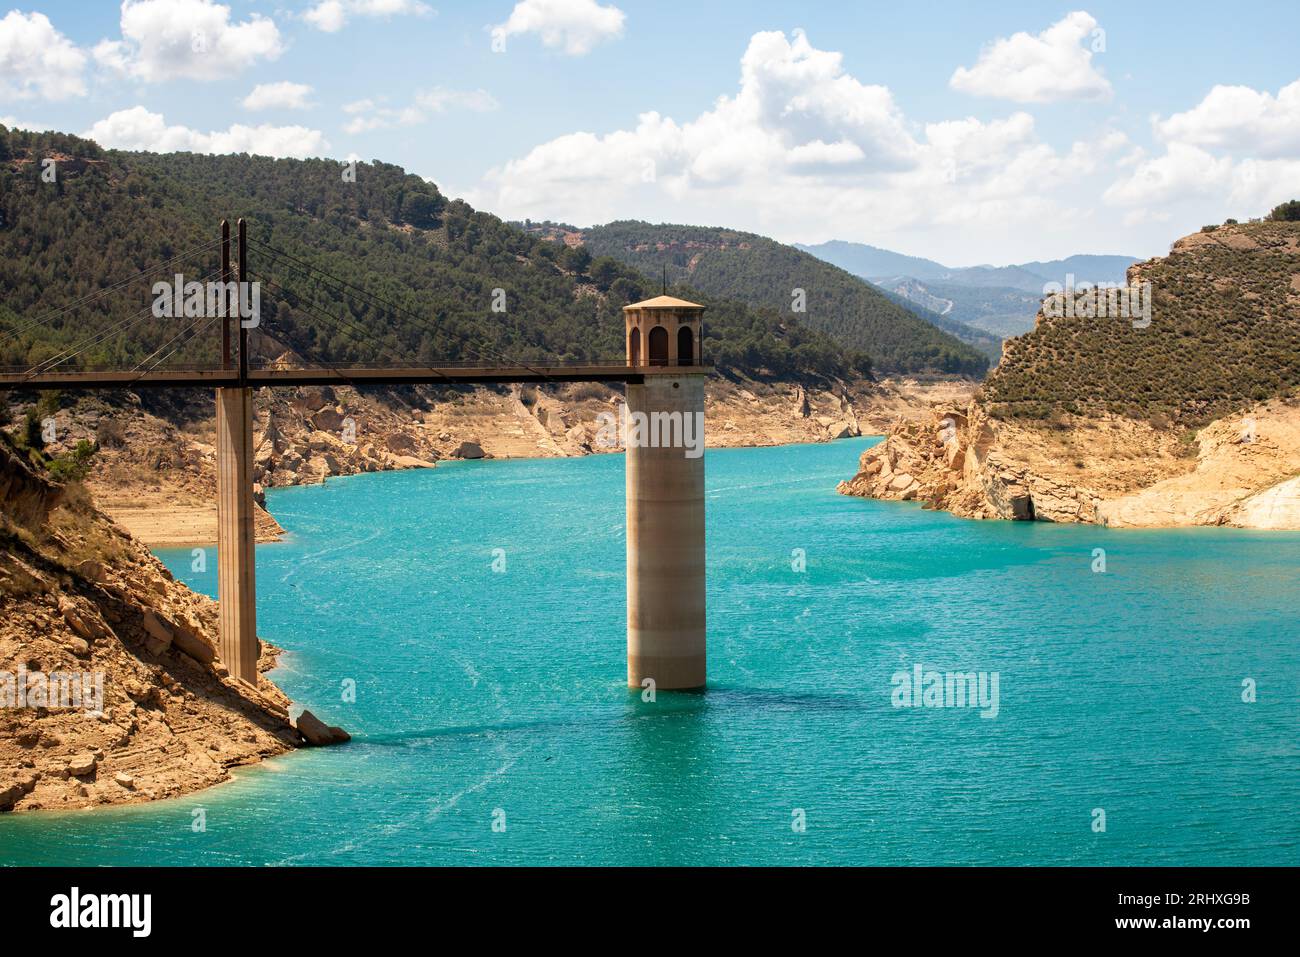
x=1090, y=418
x=159, y=715
x=158, y=480
x=1241, y=471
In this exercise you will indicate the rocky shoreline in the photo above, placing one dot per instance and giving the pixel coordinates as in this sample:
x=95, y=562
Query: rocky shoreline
x=158, y=480
x=111, y=687
x=1241, y=471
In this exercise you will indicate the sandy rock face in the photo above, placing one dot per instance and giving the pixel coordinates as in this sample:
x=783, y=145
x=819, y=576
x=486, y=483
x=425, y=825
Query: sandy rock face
x=953, y=462
x=1239, y=471
x=82, y=601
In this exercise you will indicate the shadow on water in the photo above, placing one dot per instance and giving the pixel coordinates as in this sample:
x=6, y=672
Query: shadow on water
x=668, y=706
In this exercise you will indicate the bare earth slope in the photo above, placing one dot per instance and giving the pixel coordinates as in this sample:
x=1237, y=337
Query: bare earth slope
x=158, y=481
x=78, y=596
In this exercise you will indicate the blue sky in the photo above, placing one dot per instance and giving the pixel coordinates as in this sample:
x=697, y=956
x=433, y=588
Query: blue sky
x=968, y=133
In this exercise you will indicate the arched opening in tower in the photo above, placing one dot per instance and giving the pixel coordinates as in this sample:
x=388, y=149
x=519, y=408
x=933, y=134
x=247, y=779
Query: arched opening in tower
x=659, y=346
x=685, y=346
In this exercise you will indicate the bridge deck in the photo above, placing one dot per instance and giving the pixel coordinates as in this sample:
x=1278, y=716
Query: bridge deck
x=466, y=374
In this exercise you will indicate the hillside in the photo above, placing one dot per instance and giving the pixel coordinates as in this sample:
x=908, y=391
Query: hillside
x=79, y=598
x=764, y=273
x=434, y=263
x=1224, y=334
x=1192, y=419
x=939, y=313
x=871, y=262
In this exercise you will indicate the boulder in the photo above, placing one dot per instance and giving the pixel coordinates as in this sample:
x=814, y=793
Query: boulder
x=328, y=420
x=191, y=644
x=82, y=765
x=468, y=450
x=154, y=627
x=317, y=733
x=158, y=637
x=125, y=780
x=400, y=442
x=13, y=793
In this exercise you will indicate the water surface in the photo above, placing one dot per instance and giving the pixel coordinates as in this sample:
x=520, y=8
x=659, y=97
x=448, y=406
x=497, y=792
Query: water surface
x=489, y=696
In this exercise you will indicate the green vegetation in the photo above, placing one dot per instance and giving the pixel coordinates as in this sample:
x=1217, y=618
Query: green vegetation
x=763, y=273
x=1288, y=212
x=1224, y=335
x=435, y=264
x=28, y=441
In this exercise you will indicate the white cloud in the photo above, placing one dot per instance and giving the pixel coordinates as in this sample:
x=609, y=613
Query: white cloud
x=802, y=146
x=574, y=26
x=36, y=59
x=332, y=15
x=186, y=39
x=1236, y=153
x=369, y=115
x=440, y=99
x=1054, y=65
x=1237, y=118
x=139, y=129
x=278, y=96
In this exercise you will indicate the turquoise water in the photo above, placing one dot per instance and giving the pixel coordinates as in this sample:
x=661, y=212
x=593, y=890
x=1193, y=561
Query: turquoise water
x=487, y=696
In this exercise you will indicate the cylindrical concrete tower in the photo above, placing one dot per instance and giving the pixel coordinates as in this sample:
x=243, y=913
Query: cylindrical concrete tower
x=665, y=496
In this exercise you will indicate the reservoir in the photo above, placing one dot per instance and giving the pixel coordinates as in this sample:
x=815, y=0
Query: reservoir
x=466, y=625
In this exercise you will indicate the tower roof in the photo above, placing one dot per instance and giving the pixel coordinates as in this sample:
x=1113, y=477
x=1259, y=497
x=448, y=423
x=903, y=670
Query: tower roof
x=664, y=302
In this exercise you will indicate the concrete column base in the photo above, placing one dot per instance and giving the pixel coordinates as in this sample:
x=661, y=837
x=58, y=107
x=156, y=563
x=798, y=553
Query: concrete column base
x=236, y=570
x=666, y=621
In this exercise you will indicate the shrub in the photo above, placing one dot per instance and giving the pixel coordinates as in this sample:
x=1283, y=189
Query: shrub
x=1286, y=213
x=75, y=465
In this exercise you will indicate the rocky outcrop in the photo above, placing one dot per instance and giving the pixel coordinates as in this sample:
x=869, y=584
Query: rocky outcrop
x=954, y=462
x=157, y=713
x=1241, y=471
x=27, y=497
x=317, y=733
x=468, y=450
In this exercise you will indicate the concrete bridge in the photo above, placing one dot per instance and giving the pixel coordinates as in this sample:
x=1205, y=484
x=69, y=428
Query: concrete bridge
x=663, y=373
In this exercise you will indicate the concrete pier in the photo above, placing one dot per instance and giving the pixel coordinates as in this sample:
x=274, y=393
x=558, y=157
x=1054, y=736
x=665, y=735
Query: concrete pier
x=236, y=577
x=666, y=620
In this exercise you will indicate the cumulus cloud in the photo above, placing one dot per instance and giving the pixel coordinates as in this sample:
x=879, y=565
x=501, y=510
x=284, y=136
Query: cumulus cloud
x=1054, y=65
x=1235, y=153
x=332, y=15
x=369, y=115
x=1237, y=118
x=186, y=39
x=800, y=146
x=139, y=129
x=38, y=60
x=573, y=26
x=278, y=96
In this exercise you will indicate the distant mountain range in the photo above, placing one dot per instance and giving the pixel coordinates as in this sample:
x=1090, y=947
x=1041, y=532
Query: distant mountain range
x=1000, y=300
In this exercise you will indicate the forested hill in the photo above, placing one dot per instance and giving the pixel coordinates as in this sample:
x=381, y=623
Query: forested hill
x=763, y=272
x=1223, y=333
x=107, y=215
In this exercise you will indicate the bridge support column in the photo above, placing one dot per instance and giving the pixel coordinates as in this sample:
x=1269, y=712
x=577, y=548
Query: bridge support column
x=236, y=577
x=665, y=534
